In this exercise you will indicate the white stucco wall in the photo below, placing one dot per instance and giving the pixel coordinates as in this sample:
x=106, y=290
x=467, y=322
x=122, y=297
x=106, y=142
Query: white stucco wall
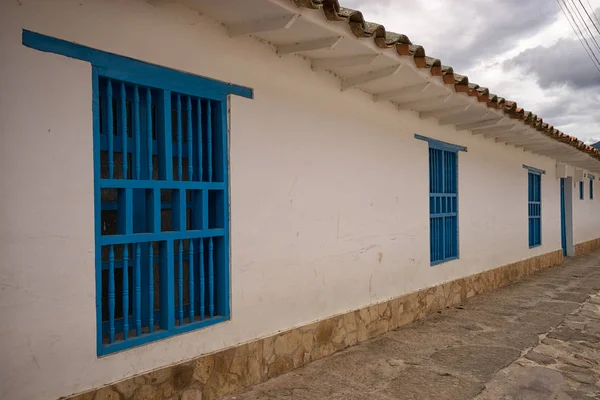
x=586, y=212
x=324, y=184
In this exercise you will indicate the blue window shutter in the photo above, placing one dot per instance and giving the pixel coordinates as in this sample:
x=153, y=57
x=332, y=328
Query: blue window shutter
x=591, y=189
x=443, y=204
x=534, y=208
x=163, y=241
x=161, y=196
x=580, y=190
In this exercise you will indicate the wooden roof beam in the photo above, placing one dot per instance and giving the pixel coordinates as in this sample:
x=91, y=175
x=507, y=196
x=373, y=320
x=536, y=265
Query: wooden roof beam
x=262, y=25
x=343, y=62
x=319, y=44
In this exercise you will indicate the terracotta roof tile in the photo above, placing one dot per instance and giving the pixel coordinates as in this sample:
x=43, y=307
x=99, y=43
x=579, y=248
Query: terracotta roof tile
x=404, y=47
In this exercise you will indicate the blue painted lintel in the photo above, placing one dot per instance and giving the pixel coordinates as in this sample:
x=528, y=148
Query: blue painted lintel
x=176, y=80
x=534, y=170
x=438, y=144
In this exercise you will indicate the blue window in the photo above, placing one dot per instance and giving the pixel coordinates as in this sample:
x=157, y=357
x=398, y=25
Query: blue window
x=163, y=211
x=160, y=196
x=535, y=208
x=443, y=204
x=591, y=187
x=580, y=190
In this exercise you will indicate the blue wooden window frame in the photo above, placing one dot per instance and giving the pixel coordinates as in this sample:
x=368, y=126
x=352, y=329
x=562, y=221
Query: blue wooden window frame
x=581, y=190
x=591, y=186
x=443, y=200
x=161, y=197
x=534, y=213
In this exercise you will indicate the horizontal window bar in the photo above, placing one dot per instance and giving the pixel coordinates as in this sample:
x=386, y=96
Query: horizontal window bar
x=442, y=194
x=114, y=206
x=157, y=237
x=156, y=184
x=158, y=334
x=440, y=215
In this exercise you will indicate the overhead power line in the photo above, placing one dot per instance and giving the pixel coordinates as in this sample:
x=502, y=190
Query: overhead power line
x=582, y=20
x=596, y=22
x=577, y=29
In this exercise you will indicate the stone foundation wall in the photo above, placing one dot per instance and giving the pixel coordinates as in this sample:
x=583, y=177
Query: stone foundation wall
x=215, y=375
x=586, y=247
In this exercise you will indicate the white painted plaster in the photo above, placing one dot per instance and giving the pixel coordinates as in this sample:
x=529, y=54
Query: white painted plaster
x=586, y=212
x=324, y=184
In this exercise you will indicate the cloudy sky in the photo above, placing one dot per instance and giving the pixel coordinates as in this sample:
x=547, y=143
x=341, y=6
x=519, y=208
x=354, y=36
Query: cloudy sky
x=523, y=50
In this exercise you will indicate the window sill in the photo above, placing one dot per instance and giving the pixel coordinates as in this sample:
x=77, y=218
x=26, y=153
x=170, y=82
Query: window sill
x=434, y=263
x=535, y=245
x=149, y=338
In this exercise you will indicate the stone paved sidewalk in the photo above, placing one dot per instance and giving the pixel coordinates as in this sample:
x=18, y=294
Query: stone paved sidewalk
x=538, y=338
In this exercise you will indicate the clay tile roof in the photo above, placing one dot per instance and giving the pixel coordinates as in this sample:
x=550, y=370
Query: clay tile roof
x=404, y=47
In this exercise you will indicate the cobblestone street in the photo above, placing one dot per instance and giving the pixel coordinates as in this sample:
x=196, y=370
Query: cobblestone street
x=537, y=338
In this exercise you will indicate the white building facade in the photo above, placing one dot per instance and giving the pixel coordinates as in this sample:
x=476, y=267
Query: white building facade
x=310, y=227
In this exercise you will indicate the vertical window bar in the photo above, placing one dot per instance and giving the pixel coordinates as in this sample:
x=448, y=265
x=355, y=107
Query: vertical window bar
x=190, y=147
x=211, y=279
x=430, y=170
x=164, y=136
x=191, y=282
x=180, y=280
x=179, y=141
x=209, y=135
x=202, y=291
x=199, y=118
x=167, y=283
x=111, y=294
x=125, y=291
x=138, y=290
x=443, y=252
x=136, y=124
x=149, y=128
x=150, y=287
x=124, y=152
x=110, y=133
x=431, y=244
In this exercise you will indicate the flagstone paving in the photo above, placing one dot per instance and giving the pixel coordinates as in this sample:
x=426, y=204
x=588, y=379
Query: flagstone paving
x=535, y=339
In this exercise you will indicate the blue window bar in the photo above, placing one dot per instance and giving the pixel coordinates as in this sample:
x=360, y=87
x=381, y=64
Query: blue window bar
x=535, y=207
x=580, y=190
x=591, y=186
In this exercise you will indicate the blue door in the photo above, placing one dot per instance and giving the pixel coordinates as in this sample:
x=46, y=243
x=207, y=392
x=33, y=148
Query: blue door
x=563, y=225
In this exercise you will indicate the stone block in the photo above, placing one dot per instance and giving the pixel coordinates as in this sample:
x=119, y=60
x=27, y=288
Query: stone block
x=107, y=393
x=192, y=394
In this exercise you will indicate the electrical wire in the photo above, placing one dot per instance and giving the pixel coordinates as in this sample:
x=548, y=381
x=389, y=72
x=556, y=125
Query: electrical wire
x=593, y=39
x=588, y=14
x=581, y=38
